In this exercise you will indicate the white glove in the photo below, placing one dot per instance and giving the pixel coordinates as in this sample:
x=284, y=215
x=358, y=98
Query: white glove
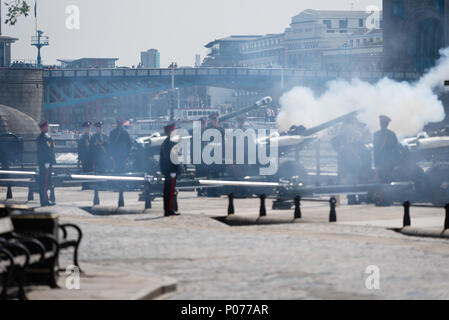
x=47, y=166
x=173, y=175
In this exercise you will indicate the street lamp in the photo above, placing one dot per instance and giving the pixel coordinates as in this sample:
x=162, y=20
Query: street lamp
x=173, y=66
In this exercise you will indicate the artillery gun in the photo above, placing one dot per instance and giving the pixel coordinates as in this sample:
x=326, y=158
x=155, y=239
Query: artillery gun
x=294, y=140
x=146, y=148
x=426, y=159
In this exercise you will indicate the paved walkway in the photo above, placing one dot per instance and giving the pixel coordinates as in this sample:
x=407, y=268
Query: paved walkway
x=308, y=260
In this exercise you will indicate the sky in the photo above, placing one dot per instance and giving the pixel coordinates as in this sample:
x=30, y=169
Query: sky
x=179, y=29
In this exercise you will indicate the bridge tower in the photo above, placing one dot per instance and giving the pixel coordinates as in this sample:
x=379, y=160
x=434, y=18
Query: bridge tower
x=414, y=32
x=39, y=41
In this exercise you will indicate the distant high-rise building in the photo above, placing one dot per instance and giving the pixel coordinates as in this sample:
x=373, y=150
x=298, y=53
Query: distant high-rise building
x=150, y=59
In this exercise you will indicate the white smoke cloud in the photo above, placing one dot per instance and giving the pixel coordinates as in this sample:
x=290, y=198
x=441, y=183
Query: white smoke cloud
x=410, y=105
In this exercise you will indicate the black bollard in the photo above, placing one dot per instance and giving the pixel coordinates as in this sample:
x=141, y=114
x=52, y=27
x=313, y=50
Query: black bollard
x=52, y=195
x=263, y=209
x=9, y=192
x=96, y=197
x=121, y=200
x=333, y=213
x=231, y=204
x=298, y=214
x=30, y=193
x=407, y=221
x=446, y=221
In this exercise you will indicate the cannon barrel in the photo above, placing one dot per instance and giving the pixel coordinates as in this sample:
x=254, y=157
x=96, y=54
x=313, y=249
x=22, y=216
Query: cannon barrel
x=326, y=125
x=261, y=103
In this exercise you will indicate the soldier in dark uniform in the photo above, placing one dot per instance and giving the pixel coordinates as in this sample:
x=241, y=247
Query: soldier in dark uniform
x=119, y=147
x=215, y=170
x=170, y=171
x=45, y=161
x=84, y=152
x=386, y=151
x=241, y=170
x=200, y=168
x=99, y=148
x=350, y=143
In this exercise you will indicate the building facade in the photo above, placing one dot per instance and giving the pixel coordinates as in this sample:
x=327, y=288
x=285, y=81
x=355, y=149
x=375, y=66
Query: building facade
x=226, y=52
x=88, y=63
x=150, y=59
x=316, y=40
x=361, y=52
x=415, y=31
x=263, y=52
x=315, y=37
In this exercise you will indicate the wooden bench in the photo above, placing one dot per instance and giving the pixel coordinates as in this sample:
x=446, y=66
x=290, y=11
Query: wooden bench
x=19, y=253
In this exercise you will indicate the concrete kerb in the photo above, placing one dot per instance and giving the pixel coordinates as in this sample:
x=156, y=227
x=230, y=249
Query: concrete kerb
x=169, y=285
x=106, y=283
x=234, y=220
x=109, y=211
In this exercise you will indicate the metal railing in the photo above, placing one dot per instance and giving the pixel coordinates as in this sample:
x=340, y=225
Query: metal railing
x=142, y=73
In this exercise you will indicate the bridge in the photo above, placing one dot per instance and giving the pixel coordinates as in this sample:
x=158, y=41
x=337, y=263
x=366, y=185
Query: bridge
x=66, y=87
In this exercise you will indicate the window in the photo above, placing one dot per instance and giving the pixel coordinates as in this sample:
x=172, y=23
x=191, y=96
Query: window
x=439, y=6
x=328, y=24
x=2, y=58
x=343, y=24
x=361, y=23
x=398, y=8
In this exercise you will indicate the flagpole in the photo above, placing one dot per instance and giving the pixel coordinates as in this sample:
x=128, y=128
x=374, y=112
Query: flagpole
x=0, y=17
x=35, y=15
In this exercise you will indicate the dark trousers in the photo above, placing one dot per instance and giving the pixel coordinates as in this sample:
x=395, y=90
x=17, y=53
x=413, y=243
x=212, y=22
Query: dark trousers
x=45, y=182
x=86, y=166
x=170, y=201
x=214, y=172
x=119, y=164
x=100, y=164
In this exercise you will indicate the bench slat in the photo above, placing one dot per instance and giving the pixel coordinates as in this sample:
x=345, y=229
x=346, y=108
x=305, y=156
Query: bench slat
x=6, y=225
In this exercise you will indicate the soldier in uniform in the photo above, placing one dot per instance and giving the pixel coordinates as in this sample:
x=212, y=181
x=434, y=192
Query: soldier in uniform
x=241, y=170
x=170, y=171
x=45, y=161
x=215, y=170
x=99, y=148
x=349, y=143
x=84, y=153
x=119, y=147
x=386, y=151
